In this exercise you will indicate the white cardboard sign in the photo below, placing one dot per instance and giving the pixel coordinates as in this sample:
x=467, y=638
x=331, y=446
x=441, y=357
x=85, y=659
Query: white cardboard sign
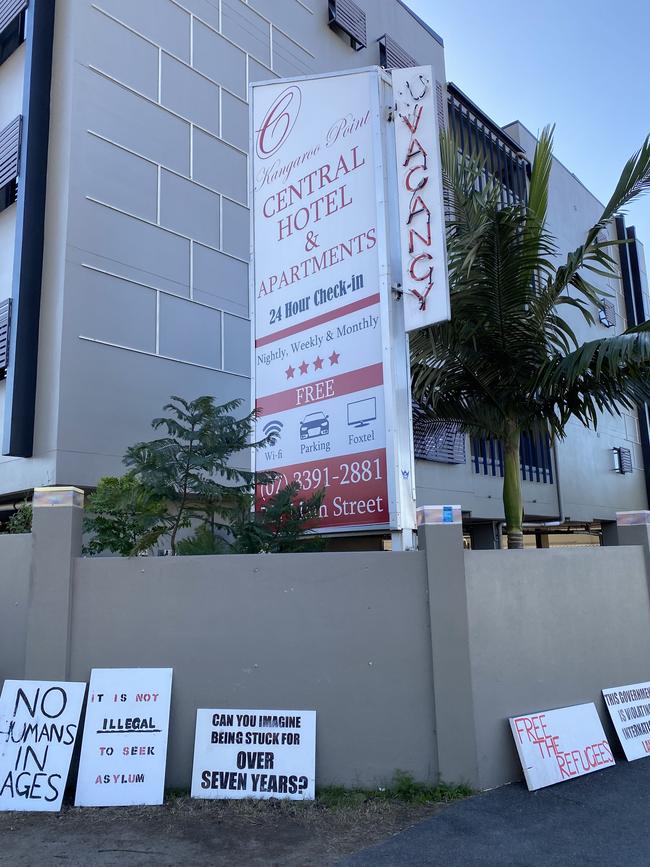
x=629, y=708
x=38, y=728
x=557, y=745
x=421, y=212
x=254, y=754
x=124, y=748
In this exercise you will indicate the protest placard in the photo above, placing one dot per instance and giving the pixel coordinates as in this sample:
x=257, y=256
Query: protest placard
x=38, y=728
x=557, y=745
x=629, y=708
x=124, y=747
x=254, y=754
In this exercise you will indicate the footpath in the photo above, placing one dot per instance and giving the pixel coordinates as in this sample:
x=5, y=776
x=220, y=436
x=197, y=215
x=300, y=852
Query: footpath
x=598, y=819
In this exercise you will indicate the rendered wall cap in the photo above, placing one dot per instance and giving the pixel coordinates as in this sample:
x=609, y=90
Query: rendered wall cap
x=629, y=519
x=58, y=497
x=439, y=515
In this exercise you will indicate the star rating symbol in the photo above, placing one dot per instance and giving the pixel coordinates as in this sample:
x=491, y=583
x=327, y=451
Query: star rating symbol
x=290, y=372
x=334, y=358
x=303, y=368
x=318, y=363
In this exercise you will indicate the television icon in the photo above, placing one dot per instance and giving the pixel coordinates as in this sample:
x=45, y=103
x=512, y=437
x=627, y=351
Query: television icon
x=362, y=412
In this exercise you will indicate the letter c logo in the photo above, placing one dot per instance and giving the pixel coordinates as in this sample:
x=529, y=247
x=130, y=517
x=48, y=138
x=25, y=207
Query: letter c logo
x=278, y=122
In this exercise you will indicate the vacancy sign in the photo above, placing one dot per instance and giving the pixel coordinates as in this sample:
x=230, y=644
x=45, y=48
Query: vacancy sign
x=319, y=293
x=421, y=213
x=629, y=708
x=558, y=745
x=38, y=729
x=254, y=754
x=124, y=748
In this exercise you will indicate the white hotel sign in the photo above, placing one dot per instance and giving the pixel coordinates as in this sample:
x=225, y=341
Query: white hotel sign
x=421, y=213
x=320, y=293
x=330, y=365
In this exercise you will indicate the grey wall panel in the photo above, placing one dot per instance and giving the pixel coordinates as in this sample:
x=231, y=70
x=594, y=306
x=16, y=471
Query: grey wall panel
x=189, y=209
x=329, y=632
x=190, y=332
x=204, y=10
x=246, y=29
x=290, y=15
x=123, y=55
x=120, y=178
x=112, y=394
x=236, y=229
x=220, y=281
x=134, y=249
x=236, y=345
x=162, y=21
x=118, y=311
x=220, y=166
x=132, y=121
x=234, y=117
x=15, y=566
x=548, y=629
x=219, y=59
x=288, y=58
x=258, y=72
x=189, y=94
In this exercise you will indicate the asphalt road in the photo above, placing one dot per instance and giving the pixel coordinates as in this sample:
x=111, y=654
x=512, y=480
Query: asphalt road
x=597, y=819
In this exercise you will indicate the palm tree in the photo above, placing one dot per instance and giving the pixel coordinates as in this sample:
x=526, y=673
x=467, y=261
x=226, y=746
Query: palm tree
x=508, y=362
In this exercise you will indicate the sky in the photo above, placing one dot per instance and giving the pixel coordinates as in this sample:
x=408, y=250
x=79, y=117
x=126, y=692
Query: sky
x=584, y=66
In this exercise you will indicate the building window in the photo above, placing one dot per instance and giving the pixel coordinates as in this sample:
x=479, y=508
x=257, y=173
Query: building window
x=9, y=157
x=439, y=441
x=346, y=17
x=534, y=455
x=477, y=135
x=12, y=26
x=392, y=55
x=5, y=322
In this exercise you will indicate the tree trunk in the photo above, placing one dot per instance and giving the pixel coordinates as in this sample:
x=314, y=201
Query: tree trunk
x=512, y=497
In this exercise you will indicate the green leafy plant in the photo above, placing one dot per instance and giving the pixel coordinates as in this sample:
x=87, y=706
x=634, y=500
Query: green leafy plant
x=282, y=527
x=124, y=517
x=508, y=362
x=191, y=467
x=21, y=520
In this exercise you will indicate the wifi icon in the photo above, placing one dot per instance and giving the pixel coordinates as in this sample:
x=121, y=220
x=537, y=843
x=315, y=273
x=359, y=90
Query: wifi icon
x=273, y=428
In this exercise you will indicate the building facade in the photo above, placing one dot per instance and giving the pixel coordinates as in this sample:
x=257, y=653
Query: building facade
x=124, y=234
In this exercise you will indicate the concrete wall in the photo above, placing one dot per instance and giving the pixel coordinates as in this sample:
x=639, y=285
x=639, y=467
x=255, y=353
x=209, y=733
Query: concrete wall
x=413, y=661
x=15, y=568
x=345, y=634
x=550, y=628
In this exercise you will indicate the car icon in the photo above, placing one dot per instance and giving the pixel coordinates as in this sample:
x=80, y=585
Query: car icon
x=314, y=424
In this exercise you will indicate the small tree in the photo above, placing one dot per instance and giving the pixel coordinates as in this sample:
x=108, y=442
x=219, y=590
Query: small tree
x=125, y=517
x=190, y=468
x=508, y=362
x=282, y=527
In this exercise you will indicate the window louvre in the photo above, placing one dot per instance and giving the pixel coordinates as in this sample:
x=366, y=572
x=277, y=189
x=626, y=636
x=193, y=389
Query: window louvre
x=5, y=321
x=351, y=19
x=607, y=314
x=439, y=441
x=10, y=9
x=392, y=55
x=624, y=460
x=9, y=152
